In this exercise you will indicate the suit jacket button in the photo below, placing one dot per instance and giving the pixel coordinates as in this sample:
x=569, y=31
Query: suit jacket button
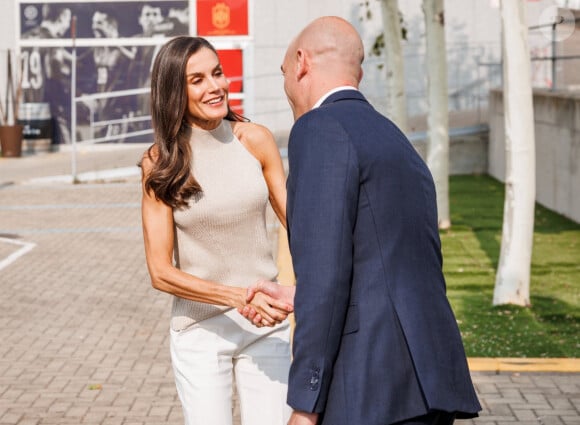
x=314, y=379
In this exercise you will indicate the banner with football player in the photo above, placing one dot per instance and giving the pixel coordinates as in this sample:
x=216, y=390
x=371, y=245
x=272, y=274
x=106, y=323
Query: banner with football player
x=116, y=43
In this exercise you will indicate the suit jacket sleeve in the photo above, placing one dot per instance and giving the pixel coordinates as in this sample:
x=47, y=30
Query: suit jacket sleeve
x=322, y=202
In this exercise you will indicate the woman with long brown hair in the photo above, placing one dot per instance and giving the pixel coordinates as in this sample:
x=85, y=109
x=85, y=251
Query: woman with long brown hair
x=207, y=180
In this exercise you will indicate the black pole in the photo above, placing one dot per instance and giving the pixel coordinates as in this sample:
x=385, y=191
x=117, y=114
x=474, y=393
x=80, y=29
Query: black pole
x=553, y=56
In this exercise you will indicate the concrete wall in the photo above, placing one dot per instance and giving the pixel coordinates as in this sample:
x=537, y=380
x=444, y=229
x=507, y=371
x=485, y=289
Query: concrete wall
x=557, y=134
x=467, y=152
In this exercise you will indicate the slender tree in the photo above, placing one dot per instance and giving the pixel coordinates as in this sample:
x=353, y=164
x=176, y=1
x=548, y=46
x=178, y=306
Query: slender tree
x=396, y=97
x=512, y=285
x=438, y=115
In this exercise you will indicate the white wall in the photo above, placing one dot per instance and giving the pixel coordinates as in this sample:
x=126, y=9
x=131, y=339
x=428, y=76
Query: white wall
x=276, y=23
x=7, y=25
x=7, y=38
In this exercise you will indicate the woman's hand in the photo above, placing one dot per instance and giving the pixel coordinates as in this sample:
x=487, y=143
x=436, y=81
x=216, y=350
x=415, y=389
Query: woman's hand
x=270, y=311
x=279, y=297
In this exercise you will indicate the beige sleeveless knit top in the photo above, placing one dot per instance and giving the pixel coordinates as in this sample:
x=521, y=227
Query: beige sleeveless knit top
x=221, y=236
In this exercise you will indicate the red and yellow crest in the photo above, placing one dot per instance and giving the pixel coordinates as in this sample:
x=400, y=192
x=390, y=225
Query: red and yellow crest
x=220, y=15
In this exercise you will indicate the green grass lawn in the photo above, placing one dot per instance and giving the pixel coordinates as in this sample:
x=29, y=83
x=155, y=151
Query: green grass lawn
x=551, y=326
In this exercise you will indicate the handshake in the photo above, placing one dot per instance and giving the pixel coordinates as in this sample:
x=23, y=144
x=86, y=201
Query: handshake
x=268, y=303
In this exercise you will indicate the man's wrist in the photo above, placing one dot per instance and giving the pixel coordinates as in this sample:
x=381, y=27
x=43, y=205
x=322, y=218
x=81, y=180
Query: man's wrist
x=303, y=418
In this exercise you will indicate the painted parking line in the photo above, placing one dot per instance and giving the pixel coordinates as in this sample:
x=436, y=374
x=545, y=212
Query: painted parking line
x=69, y=206
x=25, y=248
x=62, y=230
x=89, y=176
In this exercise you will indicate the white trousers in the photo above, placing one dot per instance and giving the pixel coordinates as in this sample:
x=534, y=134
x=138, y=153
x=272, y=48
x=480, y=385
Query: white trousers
x=207, y=356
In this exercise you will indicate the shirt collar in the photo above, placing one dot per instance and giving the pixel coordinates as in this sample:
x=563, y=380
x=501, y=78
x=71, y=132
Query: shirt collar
x=334, y=90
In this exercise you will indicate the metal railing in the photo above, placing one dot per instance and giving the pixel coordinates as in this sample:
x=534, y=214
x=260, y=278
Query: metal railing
x=553, y=58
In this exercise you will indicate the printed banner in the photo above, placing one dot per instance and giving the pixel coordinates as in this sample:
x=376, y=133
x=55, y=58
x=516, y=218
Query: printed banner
x=104, y=19
x=104, y=72
x=222, y=17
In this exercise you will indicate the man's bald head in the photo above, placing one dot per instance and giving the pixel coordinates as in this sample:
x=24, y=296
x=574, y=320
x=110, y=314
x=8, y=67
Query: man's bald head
x=328, y=53
x=332, y=39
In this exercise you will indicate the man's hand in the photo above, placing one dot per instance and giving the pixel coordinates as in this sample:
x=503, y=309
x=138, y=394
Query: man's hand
x=303, y=418
x=279, y=297
x=284, y=294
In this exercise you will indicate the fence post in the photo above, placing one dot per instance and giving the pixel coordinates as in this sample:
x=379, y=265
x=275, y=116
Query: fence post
x=73, y=95
x=554, y=56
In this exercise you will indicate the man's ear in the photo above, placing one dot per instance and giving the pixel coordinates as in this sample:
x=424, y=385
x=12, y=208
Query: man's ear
x=302, y=64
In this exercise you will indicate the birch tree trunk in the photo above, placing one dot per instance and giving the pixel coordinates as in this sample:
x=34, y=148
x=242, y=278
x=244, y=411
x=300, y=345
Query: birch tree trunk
x=512, y=284
x=396, y=97
x=438, y=115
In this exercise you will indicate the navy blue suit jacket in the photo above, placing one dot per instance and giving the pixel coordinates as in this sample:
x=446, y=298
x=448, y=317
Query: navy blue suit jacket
x=376, y=341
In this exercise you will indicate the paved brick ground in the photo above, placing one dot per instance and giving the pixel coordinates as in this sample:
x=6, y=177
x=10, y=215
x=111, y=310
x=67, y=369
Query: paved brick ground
x=84, y=337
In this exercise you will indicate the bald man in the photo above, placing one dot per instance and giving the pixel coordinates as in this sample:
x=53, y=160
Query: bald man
x=375, y=342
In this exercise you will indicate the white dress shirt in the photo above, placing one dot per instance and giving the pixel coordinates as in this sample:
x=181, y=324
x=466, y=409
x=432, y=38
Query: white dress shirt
x=334, y=90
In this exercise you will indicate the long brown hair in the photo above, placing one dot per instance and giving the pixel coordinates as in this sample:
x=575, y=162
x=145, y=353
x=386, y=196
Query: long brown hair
x=171, y=179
